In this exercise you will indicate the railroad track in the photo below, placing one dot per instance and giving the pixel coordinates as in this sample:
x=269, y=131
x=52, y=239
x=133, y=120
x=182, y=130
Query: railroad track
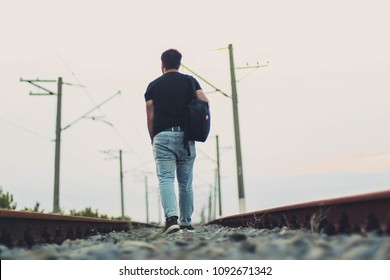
x=355, y=214
x=25, y=229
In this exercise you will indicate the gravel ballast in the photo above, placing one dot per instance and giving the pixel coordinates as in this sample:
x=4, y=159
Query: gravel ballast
x=211, y=242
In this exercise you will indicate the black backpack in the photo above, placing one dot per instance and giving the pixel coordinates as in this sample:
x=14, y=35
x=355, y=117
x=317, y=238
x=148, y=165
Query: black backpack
x=197, y=121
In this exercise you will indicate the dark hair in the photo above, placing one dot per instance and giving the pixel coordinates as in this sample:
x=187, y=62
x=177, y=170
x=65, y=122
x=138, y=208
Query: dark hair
x=171, y=59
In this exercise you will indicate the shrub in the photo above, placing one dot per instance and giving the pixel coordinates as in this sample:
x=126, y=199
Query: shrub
x=7, y=200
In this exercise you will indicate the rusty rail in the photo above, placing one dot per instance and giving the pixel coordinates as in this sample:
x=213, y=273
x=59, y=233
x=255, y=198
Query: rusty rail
x=354, y=214
x=24, y=229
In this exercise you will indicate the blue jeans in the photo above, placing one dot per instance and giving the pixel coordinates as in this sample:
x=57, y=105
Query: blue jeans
x=171, y=156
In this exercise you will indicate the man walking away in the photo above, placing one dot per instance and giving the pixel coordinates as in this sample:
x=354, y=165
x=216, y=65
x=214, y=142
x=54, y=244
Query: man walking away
x=167, y=98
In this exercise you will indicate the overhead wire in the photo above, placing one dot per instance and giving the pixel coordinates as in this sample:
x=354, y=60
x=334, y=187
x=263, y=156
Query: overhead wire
x=48, y=138
x=127, y=109
x=98, y=107
x=204, y=80
x=97, y=172
x=203, y=179
x=248, y=74
x=138, y=133
x=25, y=129
x=205, y=154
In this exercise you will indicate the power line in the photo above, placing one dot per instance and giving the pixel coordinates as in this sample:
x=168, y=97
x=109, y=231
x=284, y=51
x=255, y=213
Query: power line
x=127, y=109
x=207, y=82
x=90, y=168
x=95, y=103
x=25, y=129
x=205, y=154
x=203, y=179
x=90, y=111
x=254, y=67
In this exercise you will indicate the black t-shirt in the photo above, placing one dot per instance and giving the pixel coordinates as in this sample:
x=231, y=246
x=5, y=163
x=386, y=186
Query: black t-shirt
x=171, y=93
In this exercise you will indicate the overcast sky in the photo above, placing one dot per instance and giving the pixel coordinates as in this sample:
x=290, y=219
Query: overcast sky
x=314, y=123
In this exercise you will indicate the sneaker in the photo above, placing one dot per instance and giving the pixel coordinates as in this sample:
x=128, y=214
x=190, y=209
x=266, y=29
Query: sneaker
x=188, y=228
x=171, y=225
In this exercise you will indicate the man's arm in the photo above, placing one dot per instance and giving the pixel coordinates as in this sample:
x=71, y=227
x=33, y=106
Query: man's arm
x=201, y=95
x=150, y=117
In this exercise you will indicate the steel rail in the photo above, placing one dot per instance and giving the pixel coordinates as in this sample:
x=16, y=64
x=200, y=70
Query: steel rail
x=353, y=214
x=25, y=229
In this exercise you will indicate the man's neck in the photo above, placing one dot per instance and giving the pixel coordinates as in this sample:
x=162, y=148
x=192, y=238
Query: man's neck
x=170, y=71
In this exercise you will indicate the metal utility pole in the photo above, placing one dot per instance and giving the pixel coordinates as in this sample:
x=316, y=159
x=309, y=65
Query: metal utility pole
x=56, y=204
x=219, y=178
x=113, y=155
x=210, y=207
x=60, y=83
x=215, y=192
x=240, y=175
x=159, y=207
x=56, y=201
x=121, y=178
x=145, y=179
x=147, y=199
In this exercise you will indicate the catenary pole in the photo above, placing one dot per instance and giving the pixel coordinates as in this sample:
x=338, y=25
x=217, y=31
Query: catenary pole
x=240, y=175
x=118, y=154
x=147, y=199
x=215, y=192
x=159, y=207
x=121, y=179
x=60, y=83
x=56, y=201
x=210, y=206
x=56, y=193
x=219, y=178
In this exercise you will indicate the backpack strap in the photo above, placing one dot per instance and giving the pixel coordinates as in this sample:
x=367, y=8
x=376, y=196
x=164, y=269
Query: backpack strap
x=186, y=127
